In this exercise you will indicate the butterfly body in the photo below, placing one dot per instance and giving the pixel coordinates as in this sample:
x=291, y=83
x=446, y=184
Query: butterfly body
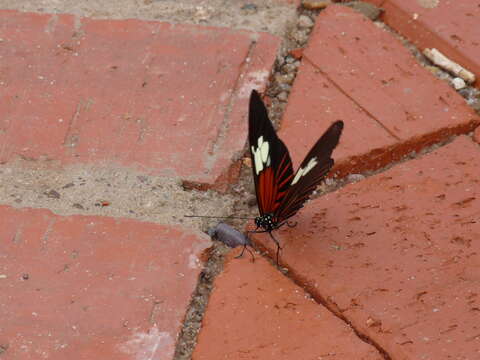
x=266, y=222
x=281, y=192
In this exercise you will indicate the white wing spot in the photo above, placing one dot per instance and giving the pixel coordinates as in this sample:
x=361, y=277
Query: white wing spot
x=264, y=151
x=302, y=172
x=261, y=155
x=258, y=161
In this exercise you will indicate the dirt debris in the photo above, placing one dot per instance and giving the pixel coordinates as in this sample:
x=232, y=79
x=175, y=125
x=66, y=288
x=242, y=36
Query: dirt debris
x=108, y=191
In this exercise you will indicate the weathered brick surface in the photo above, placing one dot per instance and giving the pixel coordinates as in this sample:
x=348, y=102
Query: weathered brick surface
x=166, y=98
x=255, y=312
x=450, y=26
x=92, y=287
x=354, y=71
x=476, y=135
x=398, y=254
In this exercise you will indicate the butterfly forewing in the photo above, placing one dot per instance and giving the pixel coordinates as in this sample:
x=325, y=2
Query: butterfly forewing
x=311, y=172
x=271, y=163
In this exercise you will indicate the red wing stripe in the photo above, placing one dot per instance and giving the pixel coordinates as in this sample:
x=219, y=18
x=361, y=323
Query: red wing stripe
x=285, y=181
x=282, y=166
x=267, y=187
x=268, y=190
x=281, y=172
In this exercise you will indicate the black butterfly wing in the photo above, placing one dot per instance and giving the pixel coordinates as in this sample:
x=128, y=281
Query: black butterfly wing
x=271, y=163
x=311, y=172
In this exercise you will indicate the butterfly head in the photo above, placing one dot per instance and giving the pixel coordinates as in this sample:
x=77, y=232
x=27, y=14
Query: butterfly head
x=266, y=222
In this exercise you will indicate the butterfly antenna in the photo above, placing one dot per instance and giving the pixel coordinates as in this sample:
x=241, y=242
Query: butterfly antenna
x=219, y=217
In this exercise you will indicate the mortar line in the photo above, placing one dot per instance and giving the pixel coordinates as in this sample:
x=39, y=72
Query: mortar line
x=220, y=136
x=201, y=294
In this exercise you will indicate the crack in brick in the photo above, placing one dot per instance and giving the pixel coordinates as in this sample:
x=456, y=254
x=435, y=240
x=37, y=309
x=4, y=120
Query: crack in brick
x=348, y=96
x=333, y=308
x=72, y=135
x=17, y=238
x=154, y=312
x=47, y=234
x=51, y=24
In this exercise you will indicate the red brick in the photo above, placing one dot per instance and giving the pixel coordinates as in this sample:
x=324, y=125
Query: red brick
x=315, y=103
x=450, y=26
x=476, y=135
x=96, y=288
x=167, y=98
x=255, y=312
x=398, y=254
x=297, y=53
x=354, y=71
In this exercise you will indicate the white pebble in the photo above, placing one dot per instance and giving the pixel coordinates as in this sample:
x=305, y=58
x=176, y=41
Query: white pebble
x=458, y=83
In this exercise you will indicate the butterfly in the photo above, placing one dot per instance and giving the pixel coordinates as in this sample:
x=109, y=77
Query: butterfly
x=281, y=192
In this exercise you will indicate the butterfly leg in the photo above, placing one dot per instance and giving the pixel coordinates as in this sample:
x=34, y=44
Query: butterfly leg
x=256, y=231
x=243, y=250
x=292, y=225
x=273, y=238
x=251, y=253
x=288, y=223
x=277, y=243
x=241, y=254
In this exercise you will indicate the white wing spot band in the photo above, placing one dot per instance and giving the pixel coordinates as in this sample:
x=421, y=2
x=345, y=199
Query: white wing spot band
x=302, y=172
x=261, y=156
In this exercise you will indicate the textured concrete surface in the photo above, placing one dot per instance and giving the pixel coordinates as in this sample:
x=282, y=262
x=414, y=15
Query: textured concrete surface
x=272, y=16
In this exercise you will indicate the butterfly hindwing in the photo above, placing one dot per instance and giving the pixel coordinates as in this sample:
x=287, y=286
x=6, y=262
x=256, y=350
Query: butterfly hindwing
x=311, y=172
x=271, y=163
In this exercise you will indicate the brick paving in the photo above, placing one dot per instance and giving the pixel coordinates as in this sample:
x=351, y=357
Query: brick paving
x=129, y=91
x=397, y=254
x=390, y=104
x=257, y=313
x=449, y=26
x=93, y=287
x=390, y=261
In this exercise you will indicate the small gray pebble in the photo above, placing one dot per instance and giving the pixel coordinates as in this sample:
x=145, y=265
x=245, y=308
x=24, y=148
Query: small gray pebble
x=355, y=177
x=285, y=87
x=283, y=96
x=249, y=8
x=305, y=22
x=52, y=194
